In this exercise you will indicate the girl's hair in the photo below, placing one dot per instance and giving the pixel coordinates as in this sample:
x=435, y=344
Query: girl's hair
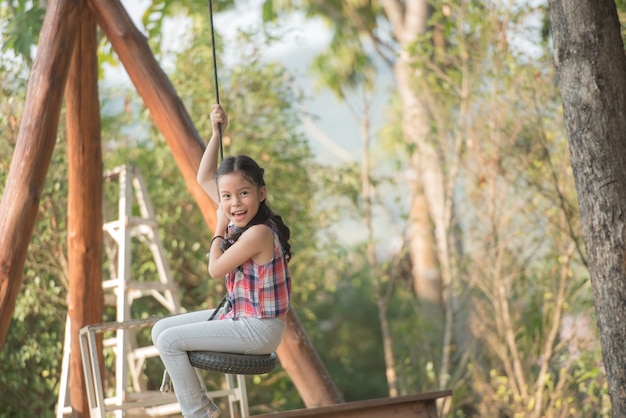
x=253, y=173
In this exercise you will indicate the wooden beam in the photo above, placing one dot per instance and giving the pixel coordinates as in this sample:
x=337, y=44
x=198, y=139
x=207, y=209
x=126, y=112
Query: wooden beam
x=153, y=85
x=33, y=150
x=300, y=360
x=85, y=236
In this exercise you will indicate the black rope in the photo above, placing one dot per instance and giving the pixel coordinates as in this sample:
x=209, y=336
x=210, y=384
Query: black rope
x=217, y=90
x=219, y=125
x=222, y=302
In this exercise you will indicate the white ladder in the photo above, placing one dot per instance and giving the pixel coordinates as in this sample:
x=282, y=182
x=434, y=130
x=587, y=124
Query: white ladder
x=121, y=291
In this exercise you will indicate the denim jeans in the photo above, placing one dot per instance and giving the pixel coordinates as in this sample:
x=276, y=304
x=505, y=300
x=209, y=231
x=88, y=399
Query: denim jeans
x=175, y=335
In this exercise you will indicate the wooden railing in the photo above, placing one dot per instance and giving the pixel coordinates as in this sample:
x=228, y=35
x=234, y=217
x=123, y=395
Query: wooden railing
x=415, y=406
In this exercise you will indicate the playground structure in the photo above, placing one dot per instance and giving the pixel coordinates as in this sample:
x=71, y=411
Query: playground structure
x=120, y=292
x=130, y=395
x=66, y=68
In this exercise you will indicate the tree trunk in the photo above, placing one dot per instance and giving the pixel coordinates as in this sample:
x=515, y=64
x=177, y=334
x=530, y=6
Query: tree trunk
x=424, y=265
x=84, y=238
x=427, y=164
x=382, y=293
x=591, y=71
x=34, y=147
x=428, y=199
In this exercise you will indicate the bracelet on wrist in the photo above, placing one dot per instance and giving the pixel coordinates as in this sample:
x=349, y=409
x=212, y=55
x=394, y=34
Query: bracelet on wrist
x=214, y=238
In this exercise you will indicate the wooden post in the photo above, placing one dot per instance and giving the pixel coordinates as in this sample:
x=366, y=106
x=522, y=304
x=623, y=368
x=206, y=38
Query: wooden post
x=84, y=238
x=153, y=85
x=33, y=150
x=300, y=360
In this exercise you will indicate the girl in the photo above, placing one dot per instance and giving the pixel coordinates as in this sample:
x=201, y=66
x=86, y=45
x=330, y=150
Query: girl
x=251, y=248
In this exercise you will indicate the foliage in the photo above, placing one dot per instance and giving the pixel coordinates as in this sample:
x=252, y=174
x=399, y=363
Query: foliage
x=487, y=83
x=346, y=64
x=522, y=262
x=21, y=30
x=23, y=20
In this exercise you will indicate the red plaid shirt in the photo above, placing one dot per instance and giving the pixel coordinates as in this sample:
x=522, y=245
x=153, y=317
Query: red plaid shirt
x=260, y=290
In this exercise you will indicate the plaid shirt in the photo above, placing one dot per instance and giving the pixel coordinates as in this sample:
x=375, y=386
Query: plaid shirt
x=260, y=291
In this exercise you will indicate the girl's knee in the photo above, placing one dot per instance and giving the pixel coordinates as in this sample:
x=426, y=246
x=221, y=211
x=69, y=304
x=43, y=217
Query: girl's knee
x=168, y=341
x=157, y=328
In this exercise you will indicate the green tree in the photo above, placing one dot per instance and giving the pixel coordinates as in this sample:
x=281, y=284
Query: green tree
x=488, y=118
x=362, y=31
x=522, y=269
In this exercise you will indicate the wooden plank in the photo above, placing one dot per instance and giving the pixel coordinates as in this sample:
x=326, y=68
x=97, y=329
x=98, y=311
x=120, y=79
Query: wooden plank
x=422, y=406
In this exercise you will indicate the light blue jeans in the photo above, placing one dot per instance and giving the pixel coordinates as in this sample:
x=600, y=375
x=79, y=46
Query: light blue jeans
x=175, y=335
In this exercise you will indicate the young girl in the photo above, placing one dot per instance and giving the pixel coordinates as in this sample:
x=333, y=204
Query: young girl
x=251, y=248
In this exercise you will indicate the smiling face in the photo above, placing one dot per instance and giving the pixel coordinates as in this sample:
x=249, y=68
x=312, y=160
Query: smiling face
x=239, y=199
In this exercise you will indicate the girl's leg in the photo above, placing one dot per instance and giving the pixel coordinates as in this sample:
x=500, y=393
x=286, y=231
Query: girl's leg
x=191, y=377
x=176, y=337
x=265, y=334
x=180, y=319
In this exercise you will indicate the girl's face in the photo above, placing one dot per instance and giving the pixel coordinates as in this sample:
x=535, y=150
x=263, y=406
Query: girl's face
x=239, y=199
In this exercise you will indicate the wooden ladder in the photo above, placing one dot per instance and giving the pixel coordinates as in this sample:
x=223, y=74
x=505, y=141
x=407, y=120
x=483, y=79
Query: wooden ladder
x=135, y=224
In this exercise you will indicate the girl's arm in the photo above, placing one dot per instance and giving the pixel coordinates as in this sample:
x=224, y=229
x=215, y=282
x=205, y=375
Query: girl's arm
x=208, y=164
x=256, y=243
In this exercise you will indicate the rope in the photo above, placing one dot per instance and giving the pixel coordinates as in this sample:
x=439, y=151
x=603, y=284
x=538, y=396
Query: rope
x=217, y=90
x=222, y=302
x=219, y=125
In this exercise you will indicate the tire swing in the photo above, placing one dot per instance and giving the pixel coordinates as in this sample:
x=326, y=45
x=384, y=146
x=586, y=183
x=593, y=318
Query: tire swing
x=226, y=363
x=231, y=363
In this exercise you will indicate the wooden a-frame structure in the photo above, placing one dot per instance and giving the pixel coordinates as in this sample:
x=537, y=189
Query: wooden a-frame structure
x=66, y=67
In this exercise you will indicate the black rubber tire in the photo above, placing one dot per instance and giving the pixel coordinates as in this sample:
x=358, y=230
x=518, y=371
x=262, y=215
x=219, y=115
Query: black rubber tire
x=233, y=363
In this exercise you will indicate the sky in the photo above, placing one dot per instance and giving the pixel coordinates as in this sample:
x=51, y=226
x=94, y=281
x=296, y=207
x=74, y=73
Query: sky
x=334, y=135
